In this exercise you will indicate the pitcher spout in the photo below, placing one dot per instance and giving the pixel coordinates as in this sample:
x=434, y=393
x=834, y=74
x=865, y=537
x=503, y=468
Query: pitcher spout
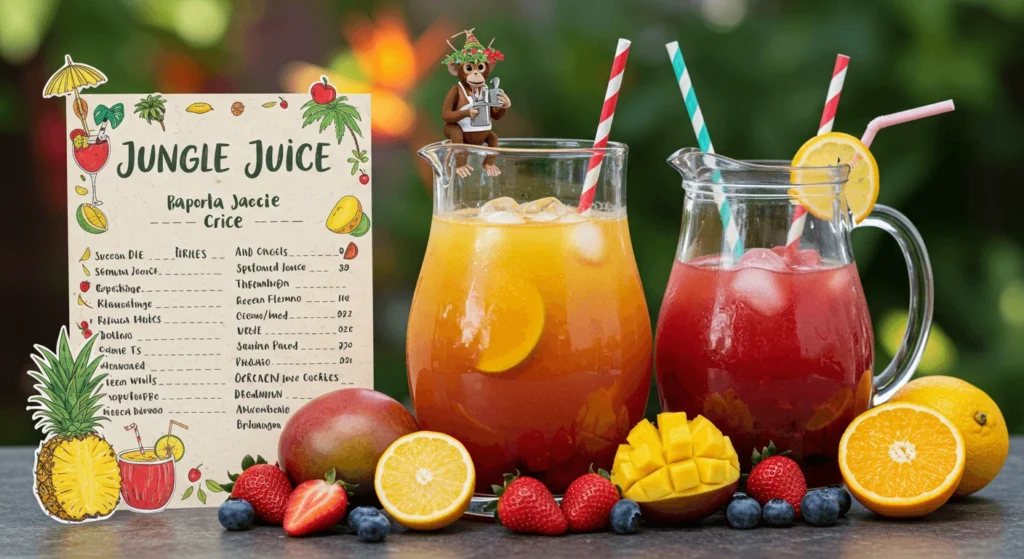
x=685, y=162
x=437, y=155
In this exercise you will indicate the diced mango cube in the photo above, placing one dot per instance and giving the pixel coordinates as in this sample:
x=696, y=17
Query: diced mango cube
x=734, y=473
x=644, y=433
x=646, y=459
x=707, y=439
x=657, y=485
x=676, y=440
x=625, y=475
x=730, y=453
x=623, y=451
x=636, y=492
x=711, y=471
x=684, y=475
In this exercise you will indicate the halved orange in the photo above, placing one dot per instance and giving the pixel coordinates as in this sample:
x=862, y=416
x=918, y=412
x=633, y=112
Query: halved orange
x=425, y=480
x=902, y=459
x=512, y=323
x=836, y=148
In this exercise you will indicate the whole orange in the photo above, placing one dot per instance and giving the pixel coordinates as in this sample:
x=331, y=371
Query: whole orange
x=975, y=414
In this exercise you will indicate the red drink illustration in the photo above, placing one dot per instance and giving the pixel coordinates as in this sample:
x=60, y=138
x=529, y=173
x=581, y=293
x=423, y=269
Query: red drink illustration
x=147, y=481
x=773, y=349
x=93, y=157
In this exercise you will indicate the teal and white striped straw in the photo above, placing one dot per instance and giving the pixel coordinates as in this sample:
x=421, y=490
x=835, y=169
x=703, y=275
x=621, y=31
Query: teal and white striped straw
x=731, y=232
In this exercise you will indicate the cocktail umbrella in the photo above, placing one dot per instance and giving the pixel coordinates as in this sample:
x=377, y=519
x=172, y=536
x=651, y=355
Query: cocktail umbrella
x=69, y=79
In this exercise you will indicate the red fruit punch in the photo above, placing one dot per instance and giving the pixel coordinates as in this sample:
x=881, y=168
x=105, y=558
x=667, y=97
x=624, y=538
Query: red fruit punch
x=316, y=505
x=588, y=502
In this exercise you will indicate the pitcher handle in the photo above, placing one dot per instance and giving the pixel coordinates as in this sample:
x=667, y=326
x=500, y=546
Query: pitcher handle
x=922, y=300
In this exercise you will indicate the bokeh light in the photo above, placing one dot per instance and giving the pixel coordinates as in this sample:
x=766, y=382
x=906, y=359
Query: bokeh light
x=940, y=354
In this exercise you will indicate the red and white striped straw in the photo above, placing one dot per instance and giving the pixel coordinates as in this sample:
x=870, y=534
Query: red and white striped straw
x=828, y=118
x=137, y=436
x=604, y=126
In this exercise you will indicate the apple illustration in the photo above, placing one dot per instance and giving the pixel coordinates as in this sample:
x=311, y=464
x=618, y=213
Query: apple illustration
x=322, y=92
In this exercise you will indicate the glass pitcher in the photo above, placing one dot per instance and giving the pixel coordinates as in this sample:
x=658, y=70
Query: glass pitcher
x=529, y=338
x=773, y=342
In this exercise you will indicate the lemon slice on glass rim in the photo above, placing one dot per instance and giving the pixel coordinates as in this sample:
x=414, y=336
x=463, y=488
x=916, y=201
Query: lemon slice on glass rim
x=169, y=445
x=836, y=148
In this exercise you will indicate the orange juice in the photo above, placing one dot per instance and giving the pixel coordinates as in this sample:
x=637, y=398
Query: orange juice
x=529, y=338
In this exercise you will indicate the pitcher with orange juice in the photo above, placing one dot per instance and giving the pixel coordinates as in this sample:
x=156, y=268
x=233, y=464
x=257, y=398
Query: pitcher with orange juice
x=529, y=338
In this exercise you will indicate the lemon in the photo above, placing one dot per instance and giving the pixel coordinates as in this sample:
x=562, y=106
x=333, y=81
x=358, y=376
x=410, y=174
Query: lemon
x=512, y=324
x=169, y=445
x=199, y=108
x=91, y=219
x=836, y=148
x=975, y=414
x=425, y=480
x=81, y=190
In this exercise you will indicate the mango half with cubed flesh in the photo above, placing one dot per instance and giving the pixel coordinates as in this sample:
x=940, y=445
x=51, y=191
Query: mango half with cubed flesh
x=346, y=215
x=679, y=471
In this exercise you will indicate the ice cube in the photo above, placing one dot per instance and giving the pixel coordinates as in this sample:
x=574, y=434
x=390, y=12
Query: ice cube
x=545, y=209
x=807, y=259
x=759, y=289
x=587, y=242
x=503, y=204
x=503, y=217
x=571, y=218
x=762, y=258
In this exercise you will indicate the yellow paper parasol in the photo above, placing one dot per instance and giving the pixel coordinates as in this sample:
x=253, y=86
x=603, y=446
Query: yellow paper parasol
x=69, y=79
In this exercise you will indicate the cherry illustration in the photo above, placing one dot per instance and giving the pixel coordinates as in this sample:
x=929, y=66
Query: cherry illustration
x=83, y=325
x=322, y=92
x=87, y=333
x=84, y=286
x=363, y=177
x=284, y=104
x=194, y=474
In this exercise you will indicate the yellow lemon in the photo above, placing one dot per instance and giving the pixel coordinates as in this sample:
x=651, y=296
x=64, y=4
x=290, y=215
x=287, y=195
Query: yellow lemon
x=425, y=480
x=902, y=459
x=836, y=148
x=978, y=417
x=512, y=323
x=81, y=190
x=169, y=445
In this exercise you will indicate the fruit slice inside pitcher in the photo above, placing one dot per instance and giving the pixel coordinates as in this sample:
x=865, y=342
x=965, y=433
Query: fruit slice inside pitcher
x=836, y=148
x=512, y=322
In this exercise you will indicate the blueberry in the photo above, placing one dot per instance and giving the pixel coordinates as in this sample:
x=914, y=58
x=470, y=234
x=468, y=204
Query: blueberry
x=819, y=508
x=235, y=514
x=778, y=512
x=373, y=528
x=743, y=513
x=625, y=516
x=356, y=515
x=842, y=496
x=739, y=495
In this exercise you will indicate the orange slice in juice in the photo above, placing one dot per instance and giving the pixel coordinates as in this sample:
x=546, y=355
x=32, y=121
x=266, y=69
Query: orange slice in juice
x=902, y=459
x=512, y=324
x=830, y=410
x=836, y=148
x=425, y=480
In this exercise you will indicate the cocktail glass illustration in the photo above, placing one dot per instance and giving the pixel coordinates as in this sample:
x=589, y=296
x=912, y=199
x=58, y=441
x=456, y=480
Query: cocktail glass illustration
x=92, y=158
x=147, y=481
x=529, y=338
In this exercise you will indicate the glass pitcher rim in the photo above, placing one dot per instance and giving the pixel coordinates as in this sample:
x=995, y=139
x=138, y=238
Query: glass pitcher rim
x=559, y=147
x=718, y=175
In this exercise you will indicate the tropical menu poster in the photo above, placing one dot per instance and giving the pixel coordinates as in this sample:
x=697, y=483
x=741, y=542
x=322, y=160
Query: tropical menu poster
x=220, y=260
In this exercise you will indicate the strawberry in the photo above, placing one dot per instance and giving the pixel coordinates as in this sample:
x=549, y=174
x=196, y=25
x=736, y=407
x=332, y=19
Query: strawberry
x=316, y=505
x=588, y=501
x=265, y=486
x=525, y=505
x=776, y=476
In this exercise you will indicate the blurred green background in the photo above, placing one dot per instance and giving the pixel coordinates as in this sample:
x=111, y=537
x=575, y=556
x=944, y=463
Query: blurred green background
x=761, y=68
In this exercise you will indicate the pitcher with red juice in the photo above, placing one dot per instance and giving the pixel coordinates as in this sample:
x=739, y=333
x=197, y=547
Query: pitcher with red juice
x=529, y=338
x=774, y=342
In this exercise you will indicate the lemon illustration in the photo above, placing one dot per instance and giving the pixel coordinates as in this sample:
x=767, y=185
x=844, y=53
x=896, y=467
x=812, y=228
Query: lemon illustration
x=91, y=219
x=199, y=108
x=169, y=445
x=81, y=190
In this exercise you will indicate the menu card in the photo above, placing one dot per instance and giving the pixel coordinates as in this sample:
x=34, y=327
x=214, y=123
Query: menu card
x=220, y=252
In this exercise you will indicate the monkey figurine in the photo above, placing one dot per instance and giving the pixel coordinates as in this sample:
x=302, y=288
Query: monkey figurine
x=463, y=123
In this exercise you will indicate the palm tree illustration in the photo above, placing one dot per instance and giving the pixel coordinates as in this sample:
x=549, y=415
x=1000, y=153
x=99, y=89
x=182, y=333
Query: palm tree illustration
x=344, y=117
x=153, y=107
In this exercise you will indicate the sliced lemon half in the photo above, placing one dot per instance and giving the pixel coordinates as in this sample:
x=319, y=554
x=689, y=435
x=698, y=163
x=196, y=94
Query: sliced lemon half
x=169, y=445
x=835, y=148
x=425, y=480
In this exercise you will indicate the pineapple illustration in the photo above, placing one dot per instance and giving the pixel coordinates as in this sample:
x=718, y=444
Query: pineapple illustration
x=77, y=476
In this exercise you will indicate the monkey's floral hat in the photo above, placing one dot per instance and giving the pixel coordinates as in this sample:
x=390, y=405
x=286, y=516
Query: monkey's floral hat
x=473, y=51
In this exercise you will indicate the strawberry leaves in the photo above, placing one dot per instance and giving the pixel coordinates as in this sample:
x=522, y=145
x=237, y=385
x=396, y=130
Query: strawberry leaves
x=770, y=450
x=247, y=463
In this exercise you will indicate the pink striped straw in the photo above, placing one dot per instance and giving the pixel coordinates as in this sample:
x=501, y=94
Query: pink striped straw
x=137, y=436
x=828, y=118
x=604, y=127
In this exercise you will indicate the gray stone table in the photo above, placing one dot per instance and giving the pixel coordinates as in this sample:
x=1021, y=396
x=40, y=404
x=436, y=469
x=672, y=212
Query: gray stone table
x=989, y=524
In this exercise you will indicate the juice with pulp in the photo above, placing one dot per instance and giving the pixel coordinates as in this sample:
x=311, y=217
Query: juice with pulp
x=529, y=339
x=778, y=348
